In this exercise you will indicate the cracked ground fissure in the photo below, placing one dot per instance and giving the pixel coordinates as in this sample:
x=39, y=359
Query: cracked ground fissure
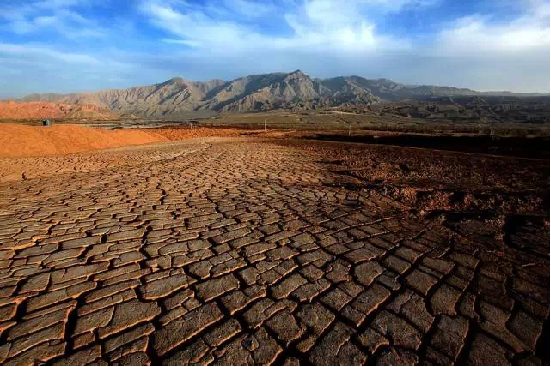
x=251, y=253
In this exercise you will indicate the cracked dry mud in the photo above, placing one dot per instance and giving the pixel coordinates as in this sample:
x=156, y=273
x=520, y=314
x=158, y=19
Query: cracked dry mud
x=251, y=253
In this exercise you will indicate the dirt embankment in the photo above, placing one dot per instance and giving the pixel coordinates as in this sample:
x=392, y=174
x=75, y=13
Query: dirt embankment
x=17, y=140
x=48, y=110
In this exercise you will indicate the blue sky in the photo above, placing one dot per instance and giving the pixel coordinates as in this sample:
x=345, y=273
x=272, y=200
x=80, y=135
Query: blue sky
x=86, y=45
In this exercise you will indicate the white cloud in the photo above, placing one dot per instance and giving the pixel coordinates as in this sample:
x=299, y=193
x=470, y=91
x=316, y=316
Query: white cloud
x=336, y=26
x=478, y=34
x=42, y=54
x=322, y=25
x=50, y=15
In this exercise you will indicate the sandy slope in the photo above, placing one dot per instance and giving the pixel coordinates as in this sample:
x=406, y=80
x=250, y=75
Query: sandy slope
x=41, y=109
x=24, y=140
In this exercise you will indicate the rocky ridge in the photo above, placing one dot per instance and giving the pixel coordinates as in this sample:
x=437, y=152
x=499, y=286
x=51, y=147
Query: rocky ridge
x=294, y=91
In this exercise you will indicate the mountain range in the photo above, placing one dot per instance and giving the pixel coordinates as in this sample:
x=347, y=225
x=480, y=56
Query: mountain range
x=295, y=91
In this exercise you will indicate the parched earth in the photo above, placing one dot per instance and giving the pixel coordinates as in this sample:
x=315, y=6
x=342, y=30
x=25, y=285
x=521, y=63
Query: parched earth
x=243, y=251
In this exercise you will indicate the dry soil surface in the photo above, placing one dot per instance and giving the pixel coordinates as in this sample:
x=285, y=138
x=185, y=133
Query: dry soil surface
x=245, y=251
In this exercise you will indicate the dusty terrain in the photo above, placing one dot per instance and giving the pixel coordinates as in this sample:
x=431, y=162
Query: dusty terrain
x=18, y=140
x=273, y=250
x=49, y=110
x=22, y=140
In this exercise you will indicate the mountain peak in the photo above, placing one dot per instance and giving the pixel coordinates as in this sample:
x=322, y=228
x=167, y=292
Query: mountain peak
x=174, y=80
x=297, y=72
x=296, y=75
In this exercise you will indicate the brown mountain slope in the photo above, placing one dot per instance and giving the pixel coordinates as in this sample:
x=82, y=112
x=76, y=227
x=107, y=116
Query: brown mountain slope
x=251, y=93
x=168, y=98
x=294, y=90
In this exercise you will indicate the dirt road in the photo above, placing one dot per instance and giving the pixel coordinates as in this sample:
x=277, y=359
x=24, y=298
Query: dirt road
x=214, y=252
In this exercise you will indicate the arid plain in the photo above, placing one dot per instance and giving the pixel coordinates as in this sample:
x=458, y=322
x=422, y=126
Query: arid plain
x=285, y=246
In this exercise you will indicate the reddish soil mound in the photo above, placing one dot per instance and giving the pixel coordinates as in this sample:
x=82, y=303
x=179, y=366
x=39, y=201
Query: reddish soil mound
x=17, y=140
x=29, y=110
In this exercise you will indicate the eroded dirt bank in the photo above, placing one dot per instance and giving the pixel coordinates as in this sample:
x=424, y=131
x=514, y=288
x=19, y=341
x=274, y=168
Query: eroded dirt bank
x=18, y=140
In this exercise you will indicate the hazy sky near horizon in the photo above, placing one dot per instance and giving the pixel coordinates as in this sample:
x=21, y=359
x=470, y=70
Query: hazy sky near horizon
x=86, y=45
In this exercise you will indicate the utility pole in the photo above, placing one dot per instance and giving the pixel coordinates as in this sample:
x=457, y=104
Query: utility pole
x=265, y=128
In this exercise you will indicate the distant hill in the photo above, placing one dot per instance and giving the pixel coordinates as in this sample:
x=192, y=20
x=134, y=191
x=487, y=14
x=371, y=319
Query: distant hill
x=295, y=91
